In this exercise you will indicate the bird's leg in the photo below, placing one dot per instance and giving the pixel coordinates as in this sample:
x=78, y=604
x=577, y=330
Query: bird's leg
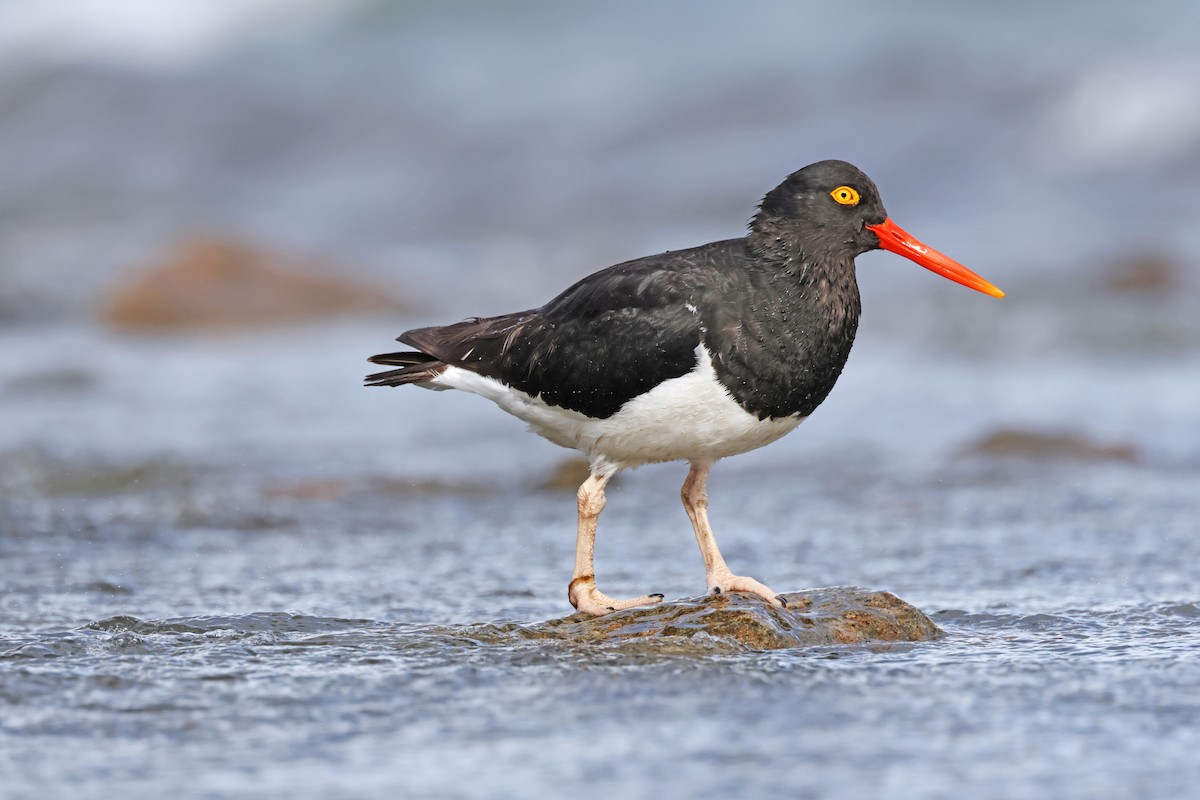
x=583, y=592
x=720, y=579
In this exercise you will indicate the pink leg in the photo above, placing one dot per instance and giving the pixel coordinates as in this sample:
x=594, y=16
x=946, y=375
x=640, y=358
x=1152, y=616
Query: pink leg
x=720, y=579
x=583, y=592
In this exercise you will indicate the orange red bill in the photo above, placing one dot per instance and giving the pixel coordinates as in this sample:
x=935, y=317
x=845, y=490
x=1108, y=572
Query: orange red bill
x=894, y=238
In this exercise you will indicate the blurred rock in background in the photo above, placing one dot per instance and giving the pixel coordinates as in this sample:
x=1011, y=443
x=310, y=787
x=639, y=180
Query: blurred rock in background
x=449, y=160
x=487, y=158
x=211, y=284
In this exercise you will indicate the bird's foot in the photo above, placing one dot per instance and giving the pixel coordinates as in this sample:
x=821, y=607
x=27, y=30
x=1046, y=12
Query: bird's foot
x=726, y=581
x=584, y=595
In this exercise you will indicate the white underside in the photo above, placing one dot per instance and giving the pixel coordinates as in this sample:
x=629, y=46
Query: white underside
x=690, y=418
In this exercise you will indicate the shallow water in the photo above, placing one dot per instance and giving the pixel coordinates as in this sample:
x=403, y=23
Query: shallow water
x=1072, y=704
x=230, y=570
x=206, y=629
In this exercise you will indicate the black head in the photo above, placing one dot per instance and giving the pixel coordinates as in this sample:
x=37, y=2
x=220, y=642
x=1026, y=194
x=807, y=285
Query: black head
x=824, y=208
x=829, y=212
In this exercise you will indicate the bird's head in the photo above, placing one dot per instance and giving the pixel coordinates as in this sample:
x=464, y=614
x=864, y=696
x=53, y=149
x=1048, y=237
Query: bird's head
x=831, y=207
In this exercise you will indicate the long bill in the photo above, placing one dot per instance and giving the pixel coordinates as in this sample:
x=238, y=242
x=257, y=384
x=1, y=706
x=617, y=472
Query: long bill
x=894, y=238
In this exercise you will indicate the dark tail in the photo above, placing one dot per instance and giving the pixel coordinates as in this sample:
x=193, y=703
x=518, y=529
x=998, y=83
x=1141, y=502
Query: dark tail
x=414, y=367
x=475, y=344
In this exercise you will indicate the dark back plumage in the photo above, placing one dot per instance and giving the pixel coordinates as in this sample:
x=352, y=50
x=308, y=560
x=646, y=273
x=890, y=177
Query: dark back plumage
x=777, y=310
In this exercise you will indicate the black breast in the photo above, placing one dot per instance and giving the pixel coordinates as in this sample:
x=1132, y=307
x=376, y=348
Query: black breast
x=780, y=341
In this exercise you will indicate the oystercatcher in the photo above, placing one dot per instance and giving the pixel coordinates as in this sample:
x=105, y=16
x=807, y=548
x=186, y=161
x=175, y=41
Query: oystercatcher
x=690, y=355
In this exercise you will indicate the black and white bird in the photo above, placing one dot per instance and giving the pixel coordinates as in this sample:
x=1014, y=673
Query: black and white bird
x=690, y=355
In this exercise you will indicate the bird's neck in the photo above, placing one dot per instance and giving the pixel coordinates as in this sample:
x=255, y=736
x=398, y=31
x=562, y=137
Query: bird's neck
x=820, y=278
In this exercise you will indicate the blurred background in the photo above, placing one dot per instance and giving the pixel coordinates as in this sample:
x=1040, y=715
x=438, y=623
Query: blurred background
x=213, y=211
x=168, y=168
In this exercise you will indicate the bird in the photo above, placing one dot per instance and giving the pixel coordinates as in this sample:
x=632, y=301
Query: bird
x=690, y=355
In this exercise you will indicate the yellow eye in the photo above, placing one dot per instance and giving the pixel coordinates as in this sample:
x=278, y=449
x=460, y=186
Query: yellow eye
x=845, y=195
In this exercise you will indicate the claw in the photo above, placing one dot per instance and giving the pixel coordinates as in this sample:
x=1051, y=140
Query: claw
x=724, y=581
x=586, y=598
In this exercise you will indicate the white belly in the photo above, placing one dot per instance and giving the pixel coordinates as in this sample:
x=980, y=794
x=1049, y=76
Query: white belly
x=691, y=418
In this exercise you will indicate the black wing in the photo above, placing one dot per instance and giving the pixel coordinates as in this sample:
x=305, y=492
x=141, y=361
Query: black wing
x=612, y=336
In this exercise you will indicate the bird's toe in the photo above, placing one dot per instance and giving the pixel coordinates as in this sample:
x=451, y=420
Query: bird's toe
x=589, y=600
x=723, y=584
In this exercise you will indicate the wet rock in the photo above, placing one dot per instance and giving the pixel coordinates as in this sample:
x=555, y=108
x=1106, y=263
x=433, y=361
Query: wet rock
x=36, y=472
x=329, y=488
x=1147, y=273
x=833, y=616
x=52, y=382
x=219, y=284
x=1045, y=446
x=314, y=489
x=567, y=476
x=421, y=487
x=107, y=587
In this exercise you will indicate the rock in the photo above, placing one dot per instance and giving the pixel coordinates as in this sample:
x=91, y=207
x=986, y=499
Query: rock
x=309, y=489
x=108, y=587
x=1040, y=446
x=66, y=380
x=833, y=616
x=428, y=487
x=32, y=471
x=1145, y=273
x=219, y=284
x=329, y=488
x=567, y=476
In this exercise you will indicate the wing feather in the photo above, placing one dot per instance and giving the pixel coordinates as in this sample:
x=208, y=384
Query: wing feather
x=610, y=337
